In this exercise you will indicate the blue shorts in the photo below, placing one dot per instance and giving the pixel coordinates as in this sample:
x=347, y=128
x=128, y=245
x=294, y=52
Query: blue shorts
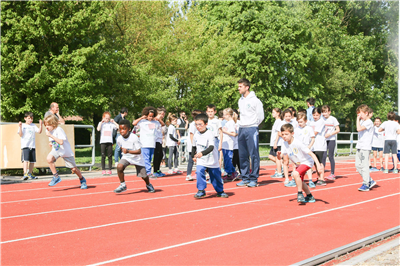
x=377, y=149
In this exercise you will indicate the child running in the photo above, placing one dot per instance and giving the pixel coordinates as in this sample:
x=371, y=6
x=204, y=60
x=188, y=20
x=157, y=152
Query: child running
x=305, y=135
x=229, y=135
x=60, y=148
x=377, y=145
x=27, y=133
x=147, y=128
x=276, y=142
x=319, y=147
x=365, y=129
x=206, y=156
x=302, y=157
x=390, y=146
x=331, y=130
x=106, y=128
x=131, y=155
x=172, y=142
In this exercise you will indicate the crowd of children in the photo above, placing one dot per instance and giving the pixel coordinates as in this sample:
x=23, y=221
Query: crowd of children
x=212, y=144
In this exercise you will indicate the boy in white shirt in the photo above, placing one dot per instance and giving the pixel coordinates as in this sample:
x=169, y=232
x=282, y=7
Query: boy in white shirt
x=377, y=145
x=192, y=131
x=28, y=148
x=306, y=136
x=302, y=157
x=365, y=129
x=331, y=130
x=391, y=129
x=206, y=156
x=60, y=148
x=131, y=155
x=158, y=151
x=214, y=125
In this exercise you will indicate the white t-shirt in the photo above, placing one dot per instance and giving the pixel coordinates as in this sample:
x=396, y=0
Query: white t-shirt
x=147, y=131
x=274, y=131
x=235, y=142
x=365, y=137
x=330, y=126
x=202, y=142
x=304, y=135
x=298, y=153
x=377, y=139
x=294, y=122
x=171, y=130
x=229, y=141
x=398, y=142
x=159, y=132
x=213, y=126
x=390, y=129
x=132, y=142
x=106, y=131
x=193, y=130
x=320, y=141
x=28, y=136
x=63, y=150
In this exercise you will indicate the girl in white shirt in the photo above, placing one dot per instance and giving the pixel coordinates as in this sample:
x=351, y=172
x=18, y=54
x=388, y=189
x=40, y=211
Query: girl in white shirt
x=377, y=144
x=229, y=131
x=146, y=129
x=172, y=142
x=319, y=147
x=106, y=127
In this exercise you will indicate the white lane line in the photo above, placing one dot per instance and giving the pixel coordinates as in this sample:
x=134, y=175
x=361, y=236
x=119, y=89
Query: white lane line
x=100, y=177
x=238, y=231
x=160, y=216
x=166, y=197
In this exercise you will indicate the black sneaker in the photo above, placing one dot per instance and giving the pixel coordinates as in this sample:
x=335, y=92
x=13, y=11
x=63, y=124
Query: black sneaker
x=321, y=183
x=309, y=199
x=200, y=194
x=222, y=195
x=300, y=198
x=120, y=189
x=150, y=188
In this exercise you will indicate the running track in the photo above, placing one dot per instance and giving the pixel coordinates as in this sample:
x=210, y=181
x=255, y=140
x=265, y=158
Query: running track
x=64, y=225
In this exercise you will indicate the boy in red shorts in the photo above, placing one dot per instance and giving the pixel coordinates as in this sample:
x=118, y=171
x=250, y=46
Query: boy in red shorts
x=302, y=157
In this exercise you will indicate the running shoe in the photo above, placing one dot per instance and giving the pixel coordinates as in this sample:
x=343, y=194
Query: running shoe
x=31, y=176
x=382, y=169
x=331, y=177
x=363, y=188
x=83, y=183
x=152, y=176
x=189, y=178
x=54, y=181
x=252, y=184
x=311, y=184
x=120, y=189
x=320, y=183
x=291, y=183
x=300, y=198
x=103, y=172
x=200, y=194
x=170, y=172
x=386, y=171
x=277, y=175
x=242, y=183
x=309, y=199
x=150, y=188
x=160, y=174
x=395, y=171
x=222, y=195
x=177, y=171
x=25, y=177
x=235, y=176
x=223, y=173
x=373, y=169
x=225, y=179
x=371, y=184
x=109, y=172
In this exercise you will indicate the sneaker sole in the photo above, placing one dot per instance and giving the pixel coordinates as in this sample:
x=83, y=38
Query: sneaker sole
x=244, y=185
x=372, y=185
x=199, y=197
x=120, y=191
x=54, y=184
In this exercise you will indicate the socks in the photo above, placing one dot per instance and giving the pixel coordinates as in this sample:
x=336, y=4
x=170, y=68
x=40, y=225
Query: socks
x=300, y=193
x=55, y=175
x=309, y=195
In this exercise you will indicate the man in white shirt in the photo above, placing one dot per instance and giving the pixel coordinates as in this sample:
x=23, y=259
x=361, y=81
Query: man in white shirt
x=251, y=116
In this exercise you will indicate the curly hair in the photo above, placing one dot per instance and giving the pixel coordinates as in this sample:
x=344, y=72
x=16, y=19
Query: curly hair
x=149, y=109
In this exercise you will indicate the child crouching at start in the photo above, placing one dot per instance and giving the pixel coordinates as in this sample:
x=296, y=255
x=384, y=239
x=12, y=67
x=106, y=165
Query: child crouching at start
x=60, y=148
x=302, y=157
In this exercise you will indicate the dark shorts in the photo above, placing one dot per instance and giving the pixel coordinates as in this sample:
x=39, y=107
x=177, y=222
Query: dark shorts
x=28, y=155
x=273, y=151
x=319, y=155
x=377, y=149
x=390, y=146
x=140, y=170
x=302, y=170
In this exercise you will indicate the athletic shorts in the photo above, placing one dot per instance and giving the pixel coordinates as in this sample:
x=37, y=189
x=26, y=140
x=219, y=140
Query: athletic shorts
x=273, y=151
x=28, y=155
x=302, y=170
x=69, y=161
x=140, y=170
x=377, y=149
x=319, y=155
x=390, y=146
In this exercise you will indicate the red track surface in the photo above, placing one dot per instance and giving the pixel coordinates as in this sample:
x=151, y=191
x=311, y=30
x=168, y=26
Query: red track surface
x=265, y=225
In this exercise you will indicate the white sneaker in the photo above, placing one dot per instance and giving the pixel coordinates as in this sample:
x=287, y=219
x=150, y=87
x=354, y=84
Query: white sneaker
x=189, y=178
x=170, y=172
x=177, y=171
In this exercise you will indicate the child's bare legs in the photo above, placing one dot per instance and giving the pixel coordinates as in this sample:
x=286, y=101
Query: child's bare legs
x=120, y=171
x=50, y=161
x=31, y=165
x=301, y=186
x=309, y=174
x=381, y=158
x=76, y=171
x=286, y=167
x=25, y=164
x=375, y=155
x=386, y=160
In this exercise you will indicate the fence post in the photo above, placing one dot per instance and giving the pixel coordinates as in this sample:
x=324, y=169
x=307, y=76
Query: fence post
x=351, y=143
